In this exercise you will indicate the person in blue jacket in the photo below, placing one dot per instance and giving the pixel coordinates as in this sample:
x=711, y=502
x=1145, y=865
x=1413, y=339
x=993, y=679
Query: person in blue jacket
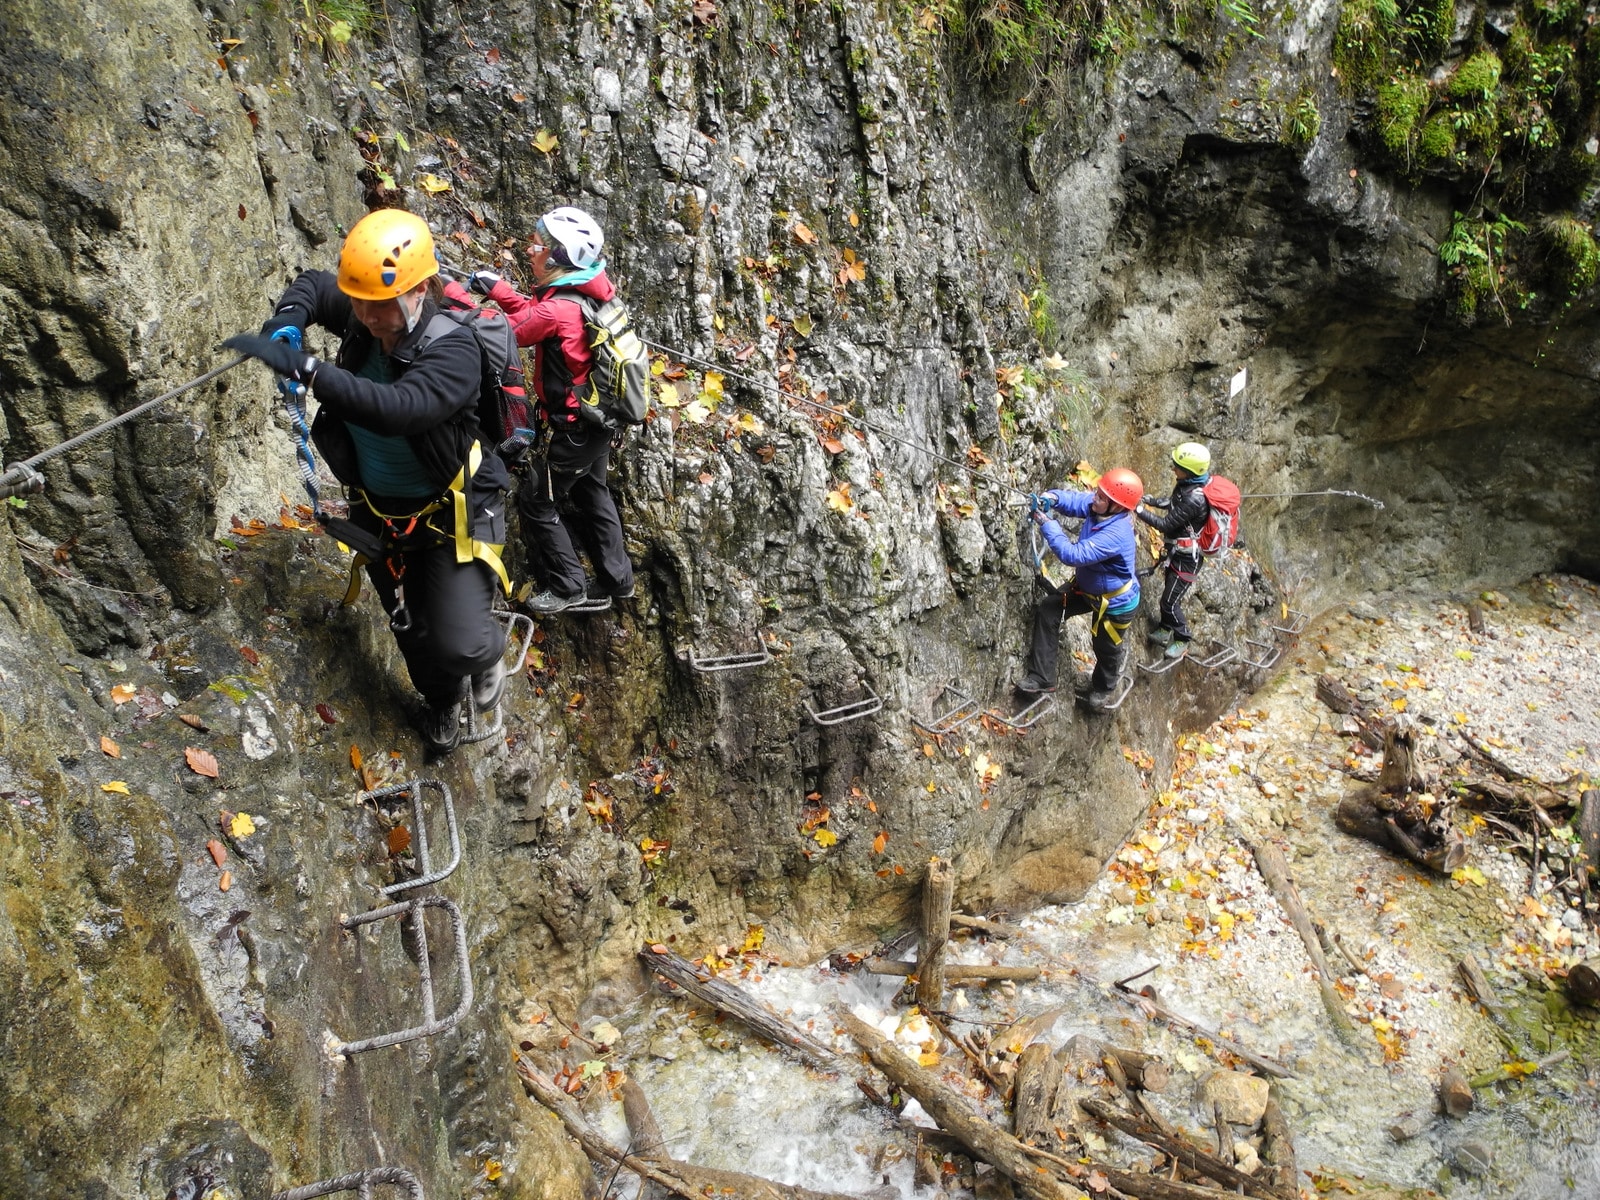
x=1106, y=585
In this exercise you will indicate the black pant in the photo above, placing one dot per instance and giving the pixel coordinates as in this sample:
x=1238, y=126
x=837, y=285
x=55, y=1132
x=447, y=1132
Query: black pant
x=1107, y=637
x=1180, y=572
x=453, y=631
x=573, y=473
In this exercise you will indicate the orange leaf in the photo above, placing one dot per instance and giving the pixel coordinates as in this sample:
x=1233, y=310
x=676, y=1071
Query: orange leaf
x=399, y=840
x=879, y=842
x=193, y=722
x=804, y=234
x=250, y=656
x=122, y=693
x=109, y=748
x=219, y=852
x=225, y=882
x=201, y=762
x=355, y=757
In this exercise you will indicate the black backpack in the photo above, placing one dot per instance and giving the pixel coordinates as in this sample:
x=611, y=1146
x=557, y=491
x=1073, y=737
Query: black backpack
x=503, y=411
x=618, y=392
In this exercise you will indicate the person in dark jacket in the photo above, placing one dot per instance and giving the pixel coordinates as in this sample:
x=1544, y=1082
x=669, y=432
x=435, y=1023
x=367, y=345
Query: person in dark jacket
x=1106, y=585
x=566, y=261
x=398, y=425
x=1186, y=512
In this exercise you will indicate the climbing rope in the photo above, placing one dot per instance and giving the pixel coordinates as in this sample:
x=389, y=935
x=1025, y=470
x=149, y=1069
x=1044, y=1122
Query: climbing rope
x=21, y=477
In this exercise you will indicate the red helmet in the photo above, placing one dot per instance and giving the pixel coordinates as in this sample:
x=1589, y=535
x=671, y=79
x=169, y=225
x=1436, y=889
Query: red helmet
x=1122, y=487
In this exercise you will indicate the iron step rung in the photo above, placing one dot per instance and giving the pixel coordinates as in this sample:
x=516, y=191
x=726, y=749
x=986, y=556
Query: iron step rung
x=360, y=1182
x=1221, y=655
x=431, y=1023
x=419, y=839
x=588, y=606
x=514, y=621
x=964, y=710
x=480, y=727
x=853, y=711
x=1124, y=686
x=1164, y=664
x=1297, y=622
x=1269, y=653
x=738, y=661
x=1027, y=717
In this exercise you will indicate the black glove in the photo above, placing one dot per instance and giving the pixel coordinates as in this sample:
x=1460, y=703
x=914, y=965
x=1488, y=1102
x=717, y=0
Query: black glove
x=482, y=282
x=1150, y=502
x=279, y=355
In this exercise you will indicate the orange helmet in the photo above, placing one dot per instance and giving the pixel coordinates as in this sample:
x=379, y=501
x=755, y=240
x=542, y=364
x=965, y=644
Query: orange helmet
x=387, y=254
x=1122, y=487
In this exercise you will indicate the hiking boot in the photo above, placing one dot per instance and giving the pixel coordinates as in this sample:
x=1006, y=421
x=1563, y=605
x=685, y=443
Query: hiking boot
x=548, y=602
x=1083, y=684
x=1096, y=700
x=441, y=726
x=488, y=686
x=596, y=591
x=1176, y=650
x=1160, y=635
x=1033, y=685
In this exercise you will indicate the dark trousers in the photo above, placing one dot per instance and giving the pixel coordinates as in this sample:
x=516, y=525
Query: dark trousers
x=572, y=474
x=453, y=631
x=1180, y=573
x=1108, y=637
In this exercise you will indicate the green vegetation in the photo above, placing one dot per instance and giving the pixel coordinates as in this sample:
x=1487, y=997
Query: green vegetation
x=1504, y=121
x=1303, y=123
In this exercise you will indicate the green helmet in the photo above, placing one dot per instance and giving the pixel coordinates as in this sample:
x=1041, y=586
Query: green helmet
x=1193, y=458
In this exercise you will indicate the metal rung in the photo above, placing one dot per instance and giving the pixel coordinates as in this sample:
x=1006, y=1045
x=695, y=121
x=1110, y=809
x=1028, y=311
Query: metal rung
x=1028, y=717
x=1270, y=652
x=513, y=620
x=431, y=1024
x=1221, y=656
x=419, y=839
x=853, y=711
x=727, y=662
x=590, y=604
x=481, y=726
x=965, y=709
x=361, y=1182
x=1124, y=686
x=1163, y=664
x=1297, y=622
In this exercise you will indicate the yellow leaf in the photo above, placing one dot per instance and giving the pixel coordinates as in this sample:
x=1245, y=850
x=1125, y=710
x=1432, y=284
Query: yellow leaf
x=1519, y=1070
x=695, y=412
x=1468, y=875
x=117, y=786
x=711, y=388
x=1053, y=362
x=755, y=936
x=803, y=233
x=748, y=423
x=855, y=219
x=802, y=324
x=241, y=826
x=666, y=395
x=122, y=693
x=432, y=183
x=1381, y=1024
x=1398, y=705
x=927, y=1059
x=825, y=837
x=492, y=1169
x=545, y=142
x=839, y=499
x=1464, y=655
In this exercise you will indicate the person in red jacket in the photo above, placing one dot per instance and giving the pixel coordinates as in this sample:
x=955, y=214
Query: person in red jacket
x=571, y=474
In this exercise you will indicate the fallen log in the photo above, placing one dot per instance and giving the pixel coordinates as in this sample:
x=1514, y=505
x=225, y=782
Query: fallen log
x=1157, y=1187
x=984, y=925
x=1478, y=984
x=975, y=1056
x=1143, y=1071
x=727, y=998
x=954, y=1114
x=1589, y=839
x=1511, y=775
x=683, y=1179
x=953, y=975
x=1033, y=1110
x=644, y=1132
x=1188, y=1154
x=1151, y=1008
x=938, y=888
x=1275, y=871
x=1136, y=1100
x=1277, y=1146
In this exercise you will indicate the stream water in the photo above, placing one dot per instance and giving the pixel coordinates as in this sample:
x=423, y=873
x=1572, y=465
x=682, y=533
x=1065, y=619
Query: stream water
x=1182, y=895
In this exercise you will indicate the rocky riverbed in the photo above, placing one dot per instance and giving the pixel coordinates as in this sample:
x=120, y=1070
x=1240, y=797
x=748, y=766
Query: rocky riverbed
x=1183, y=898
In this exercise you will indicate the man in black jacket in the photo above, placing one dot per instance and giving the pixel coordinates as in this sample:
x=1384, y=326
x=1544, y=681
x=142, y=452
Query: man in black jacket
x=398, y=425
x=1186, y=511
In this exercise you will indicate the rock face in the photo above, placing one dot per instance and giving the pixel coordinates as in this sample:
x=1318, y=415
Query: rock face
x=810, y=198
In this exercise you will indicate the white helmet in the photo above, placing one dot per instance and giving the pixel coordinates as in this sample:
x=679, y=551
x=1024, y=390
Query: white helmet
x=573, y=234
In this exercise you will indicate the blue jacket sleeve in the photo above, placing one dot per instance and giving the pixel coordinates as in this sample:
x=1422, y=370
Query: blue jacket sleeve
x=1103, y=545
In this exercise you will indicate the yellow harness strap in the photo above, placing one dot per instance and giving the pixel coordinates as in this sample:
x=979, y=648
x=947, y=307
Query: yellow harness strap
x=1114, y=629
x=467, y=547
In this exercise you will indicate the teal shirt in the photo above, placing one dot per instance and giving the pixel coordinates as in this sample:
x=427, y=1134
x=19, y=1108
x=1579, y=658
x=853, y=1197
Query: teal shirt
x=389, y=466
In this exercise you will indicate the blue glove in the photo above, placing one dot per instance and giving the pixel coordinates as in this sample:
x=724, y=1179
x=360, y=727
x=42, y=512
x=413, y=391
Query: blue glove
x=482, y=282
x=277, y=353
x=288, y=388
x=1041, y=501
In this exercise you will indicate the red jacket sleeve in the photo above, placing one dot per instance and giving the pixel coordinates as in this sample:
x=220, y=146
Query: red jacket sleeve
x=536, y=321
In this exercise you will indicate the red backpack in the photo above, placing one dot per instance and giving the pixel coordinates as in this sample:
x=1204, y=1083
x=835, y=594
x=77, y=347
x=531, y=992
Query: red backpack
x=1221, y=529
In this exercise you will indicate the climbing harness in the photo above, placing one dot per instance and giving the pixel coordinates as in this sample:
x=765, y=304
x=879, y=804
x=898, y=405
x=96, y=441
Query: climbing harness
x=419, y=840
x=360, y=1182
x=961, y=709
x=22, y=479
x=413, y=911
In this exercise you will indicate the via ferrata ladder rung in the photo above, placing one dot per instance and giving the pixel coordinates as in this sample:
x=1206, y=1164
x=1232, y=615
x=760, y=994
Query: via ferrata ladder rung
x=419, y=840
x=853, y=711
x=1124, y=686
x=1027, y=717
x=1297, y=622
x=1221, y=655
x=965, y=709
x=360, y=1182
x=431, y=1022
x=515, y=621
x=589, y=605
x=480, y=727
x=712, y=663
x=1165, y=663
x=1268, y=651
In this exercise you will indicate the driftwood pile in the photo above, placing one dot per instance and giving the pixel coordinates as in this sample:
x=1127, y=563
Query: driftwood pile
x=1061, y=1100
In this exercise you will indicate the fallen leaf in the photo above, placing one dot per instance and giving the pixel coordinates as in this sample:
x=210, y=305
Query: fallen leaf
x=399, y=840
x=225, y=882
x=116, y=786
x=839, y=499
x=695, y=412
x=825, y=837
x=802, y=232
x=491, y=1169
x=879, y=842
x=855, y=219
x=666, y=395
x=830, y=443
x=1469, y=875
x=803, y=324
x=122, y=693
x=219, y=852
x=355, y=757
x=492, y=55
x=250, y=656
x=432, y=183
x=109, y=748
x=329, y=717
x=749, y=423
x=242, y=825
x=546, y=142
x=755, y=936
x=194, y=722
x=201, y=762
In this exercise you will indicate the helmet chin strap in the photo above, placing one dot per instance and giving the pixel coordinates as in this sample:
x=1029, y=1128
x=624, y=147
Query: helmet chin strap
x=411, y=311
